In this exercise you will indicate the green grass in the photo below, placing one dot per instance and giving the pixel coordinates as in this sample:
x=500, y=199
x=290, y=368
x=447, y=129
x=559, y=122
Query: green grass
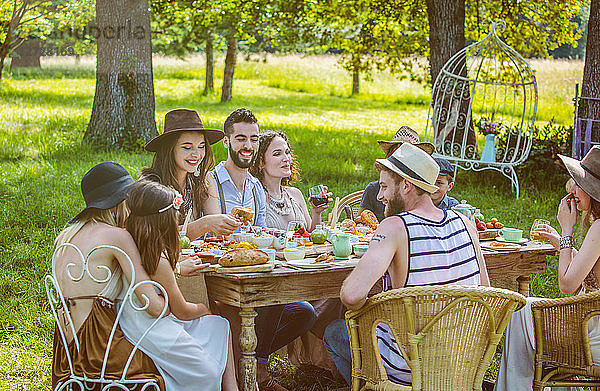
x=44, y=113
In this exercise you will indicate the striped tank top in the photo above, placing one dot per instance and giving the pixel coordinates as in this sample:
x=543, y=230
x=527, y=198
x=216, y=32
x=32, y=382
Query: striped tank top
x=439, y=253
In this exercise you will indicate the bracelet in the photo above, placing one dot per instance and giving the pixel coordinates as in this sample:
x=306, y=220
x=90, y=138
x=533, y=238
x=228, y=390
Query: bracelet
x=566, y=242
x=177, y=269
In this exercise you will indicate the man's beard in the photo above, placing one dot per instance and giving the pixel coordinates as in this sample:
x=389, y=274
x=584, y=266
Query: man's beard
x=395, y=205
x=235, y=156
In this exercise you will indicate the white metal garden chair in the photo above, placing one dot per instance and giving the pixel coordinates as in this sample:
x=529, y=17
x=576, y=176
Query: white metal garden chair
x=57, y=300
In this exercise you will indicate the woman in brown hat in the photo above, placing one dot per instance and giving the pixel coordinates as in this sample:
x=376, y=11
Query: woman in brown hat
x=182, y=159
x=576, y=268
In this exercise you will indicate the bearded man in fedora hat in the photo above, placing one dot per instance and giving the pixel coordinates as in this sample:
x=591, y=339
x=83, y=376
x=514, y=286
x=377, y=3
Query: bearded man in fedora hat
x=444, y=249
x=405, y=134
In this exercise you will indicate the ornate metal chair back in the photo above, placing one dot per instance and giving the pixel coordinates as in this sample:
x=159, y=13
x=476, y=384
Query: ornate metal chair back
x=75, y=271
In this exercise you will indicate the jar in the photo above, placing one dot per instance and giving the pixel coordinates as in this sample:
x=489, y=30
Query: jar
x=318, y=236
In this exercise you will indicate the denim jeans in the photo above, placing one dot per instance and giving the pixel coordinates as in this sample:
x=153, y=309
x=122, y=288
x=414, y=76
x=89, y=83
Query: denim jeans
x=278, y=325
x=337, y=343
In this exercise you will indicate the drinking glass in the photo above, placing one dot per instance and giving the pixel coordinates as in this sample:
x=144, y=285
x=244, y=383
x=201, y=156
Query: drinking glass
x=318, y=195
x=294, y=244
x=533, y=235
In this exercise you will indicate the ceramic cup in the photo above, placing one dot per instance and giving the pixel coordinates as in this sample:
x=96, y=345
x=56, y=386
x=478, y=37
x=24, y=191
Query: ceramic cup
x=511, y=234
x=271, y=253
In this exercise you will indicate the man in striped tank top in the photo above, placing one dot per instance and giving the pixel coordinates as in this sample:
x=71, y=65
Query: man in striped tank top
x=416, y=244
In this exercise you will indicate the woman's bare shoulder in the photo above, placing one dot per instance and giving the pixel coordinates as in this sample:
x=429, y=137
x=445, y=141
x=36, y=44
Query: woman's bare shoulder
x=294, y=192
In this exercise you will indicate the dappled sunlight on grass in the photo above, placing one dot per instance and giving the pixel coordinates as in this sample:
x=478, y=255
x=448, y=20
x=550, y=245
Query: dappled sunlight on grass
x=44, y=114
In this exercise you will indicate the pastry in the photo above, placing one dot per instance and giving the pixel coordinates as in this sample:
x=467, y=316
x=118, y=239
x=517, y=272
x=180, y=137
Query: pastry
x=369, y=219
x=245, y=215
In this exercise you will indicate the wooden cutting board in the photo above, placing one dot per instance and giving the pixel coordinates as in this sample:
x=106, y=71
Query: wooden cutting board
x=488, y=234
x=265, y=267
x=310, y=251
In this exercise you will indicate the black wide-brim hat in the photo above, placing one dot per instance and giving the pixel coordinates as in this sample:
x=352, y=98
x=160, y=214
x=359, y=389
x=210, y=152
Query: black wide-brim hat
x=585, y=172
x=104, y=186
x=183, y=120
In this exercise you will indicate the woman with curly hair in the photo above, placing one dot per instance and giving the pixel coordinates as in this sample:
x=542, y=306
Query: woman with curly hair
x=276, y=169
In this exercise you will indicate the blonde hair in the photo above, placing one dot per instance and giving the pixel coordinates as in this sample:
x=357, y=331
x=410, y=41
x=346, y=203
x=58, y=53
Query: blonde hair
x=114, y=216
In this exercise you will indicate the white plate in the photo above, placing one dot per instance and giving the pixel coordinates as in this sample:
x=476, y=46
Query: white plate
x=501, y=239
x=309, y=263
x=507, y=246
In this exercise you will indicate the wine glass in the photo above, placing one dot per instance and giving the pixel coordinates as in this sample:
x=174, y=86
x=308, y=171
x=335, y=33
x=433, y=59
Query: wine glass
x=534, y=235
x=318, y=195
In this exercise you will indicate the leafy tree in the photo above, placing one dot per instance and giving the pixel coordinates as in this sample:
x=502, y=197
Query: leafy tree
x=21, y=19
x=183, y=27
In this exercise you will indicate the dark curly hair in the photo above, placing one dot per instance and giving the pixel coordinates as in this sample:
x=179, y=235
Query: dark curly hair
x=257, y=169
x=241, y=115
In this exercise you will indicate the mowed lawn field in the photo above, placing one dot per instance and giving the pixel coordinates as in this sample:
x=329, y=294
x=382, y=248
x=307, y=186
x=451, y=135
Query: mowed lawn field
x=44, y=114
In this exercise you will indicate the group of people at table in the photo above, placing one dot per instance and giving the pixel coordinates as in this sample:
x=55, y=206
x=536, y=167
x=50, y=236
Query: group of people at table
x=419, y=241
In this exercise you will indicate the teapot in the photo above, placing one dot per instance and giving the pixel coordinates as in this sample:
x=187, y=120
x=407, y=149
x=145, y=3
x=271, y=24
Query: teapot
x=466, y=210
x=341, y=245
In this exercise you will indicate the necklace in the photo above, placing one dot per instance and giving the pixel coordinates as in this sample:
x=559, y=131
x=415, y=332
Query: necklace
x=280, y=206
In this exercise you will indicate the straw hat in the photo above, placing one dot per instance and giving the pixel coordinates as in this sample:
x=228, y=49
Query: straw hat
x=104, y=186
x=414, y=165
x=405, y=135
x=586, y=173
x=183, y=120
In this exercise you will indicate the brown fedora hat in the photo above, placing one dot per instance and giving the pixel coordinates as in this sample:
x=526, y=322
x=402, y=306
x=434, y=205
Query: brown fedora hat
x=406, y=135
x=586, y=173
x=183, y=120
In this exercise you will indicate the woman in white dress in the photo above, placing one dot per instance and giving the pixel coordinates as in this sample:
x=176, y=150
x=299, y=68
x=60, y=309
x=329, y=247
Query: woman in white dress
x=191, y=348
x=576, y=268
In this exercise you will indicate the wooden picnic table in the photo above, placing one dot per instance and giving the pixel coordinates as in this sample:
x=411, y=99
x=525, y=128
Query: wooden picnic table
x=283, y=285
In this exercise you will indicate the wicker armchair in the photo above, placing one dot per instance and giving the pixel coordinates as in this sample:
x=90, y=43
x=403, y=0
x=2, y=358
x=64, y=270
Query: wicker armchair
x=561, y=340
x=350, y=204
x=448, y=335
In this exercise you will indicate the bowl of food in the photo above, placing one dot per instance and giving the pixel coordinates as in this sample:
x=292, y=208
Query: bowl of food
x=360, y=249
x=242, y=237
x=262, y=240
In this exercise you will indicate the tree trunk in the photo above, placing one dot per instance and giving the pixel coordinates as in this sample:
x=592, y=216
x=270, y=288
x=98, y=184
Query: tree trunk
x=226, y=92
x=209, y=82
x=355, y=81
x=27, y=54
x=1, y=68
x=123, y=110
x=446, y=38
x=591, y=71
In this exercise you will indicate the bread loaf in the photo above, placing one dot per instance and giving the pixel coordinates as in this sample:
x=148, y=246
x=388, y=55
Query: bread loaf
x=243, y=257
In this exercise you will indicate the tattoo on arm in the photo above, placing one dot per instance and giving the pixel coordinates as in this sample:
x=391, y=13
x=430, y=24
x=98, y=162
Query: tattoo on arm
x=378, y=238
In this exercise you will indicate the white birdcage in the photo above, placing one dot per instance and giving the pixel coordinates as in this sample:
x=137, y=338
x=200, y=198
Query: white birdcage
x=485, y=85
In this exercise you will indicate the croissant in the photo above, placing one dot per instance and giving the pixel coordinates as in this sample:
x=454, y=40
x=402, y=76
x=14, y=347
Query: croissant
x=369, y=219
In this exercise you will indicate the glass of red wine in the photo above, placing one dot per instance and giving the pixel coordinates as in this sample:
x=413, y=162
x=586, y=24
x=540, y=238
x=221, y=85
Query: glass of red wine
x=318, y=195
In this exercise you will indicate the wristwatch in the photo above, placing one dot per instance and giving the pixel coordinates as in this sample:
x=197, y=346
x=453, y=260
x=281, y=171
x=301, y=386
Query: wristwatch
x=566, y=242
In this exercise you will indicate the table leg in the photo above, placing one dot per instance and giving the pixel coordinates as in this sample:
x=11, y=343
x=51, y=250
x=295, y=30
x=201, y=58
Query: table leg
x=247, y=375
x=524, y=285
